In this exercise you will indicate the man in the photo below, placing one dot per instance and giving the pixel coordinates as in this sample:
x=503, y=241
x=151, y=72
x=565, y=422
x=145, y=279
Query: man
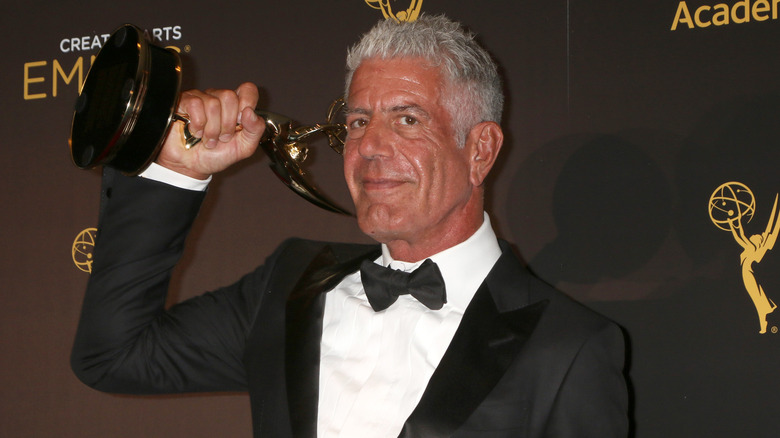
x=499, y=353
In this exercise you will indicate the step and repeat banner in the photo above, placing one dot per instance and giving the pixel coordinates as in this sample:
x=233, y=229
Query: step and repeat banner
x=640, y=176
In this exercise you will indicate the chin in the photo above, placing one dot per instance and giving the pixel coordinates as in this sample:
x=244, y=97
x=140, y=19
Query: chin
x=379, y=225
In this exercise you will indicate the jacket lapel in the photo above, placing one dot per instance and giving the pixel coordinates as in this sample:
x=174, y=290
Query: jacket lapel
x=493, y=330
x=304, y=312
x=486, y=342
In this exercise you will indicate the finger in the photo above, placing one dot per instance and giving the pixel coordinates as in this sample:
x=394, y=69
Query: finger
x=248, y=96
x=215, y=117
x=229, y=111
x=191, y=104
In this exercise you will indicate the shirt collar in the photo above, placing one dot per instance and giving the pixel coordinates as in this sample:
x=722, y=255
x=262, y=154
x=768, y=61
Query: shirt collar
x=463, y=266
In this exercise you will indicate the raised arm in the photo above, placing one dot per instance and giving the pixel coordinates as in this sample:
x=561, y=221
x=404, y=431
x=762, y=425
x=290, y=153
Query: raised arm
x=126, y=341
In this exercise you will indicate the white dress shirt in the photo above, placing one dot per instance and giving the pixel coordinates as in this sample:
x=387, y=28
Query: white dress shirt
x=375, y=366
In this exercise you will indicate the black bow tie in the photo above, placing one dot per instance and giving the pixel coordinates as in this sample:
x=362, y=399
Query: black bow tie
x=384, y=285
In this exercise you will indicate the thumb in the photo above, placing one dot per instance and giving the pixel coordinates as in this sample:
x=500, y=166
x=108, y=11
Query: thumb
x=253, y=128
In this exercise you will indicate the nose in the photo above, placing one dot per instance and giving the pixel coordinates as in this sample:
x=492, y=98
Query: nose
x=376, y=141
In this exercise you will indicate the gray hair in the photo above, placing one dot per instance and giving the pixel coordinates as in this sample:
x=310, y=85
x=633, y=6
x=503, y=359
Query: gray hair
x=474, y=90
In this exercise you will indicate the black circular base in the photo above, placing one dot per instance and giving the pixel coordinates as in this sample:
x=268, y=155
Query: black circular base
x=125, y=107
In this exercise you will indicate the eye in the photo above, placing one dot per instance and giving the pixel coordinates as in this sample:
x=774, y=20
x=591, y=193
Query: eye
x=408, y=120
x=356, y=124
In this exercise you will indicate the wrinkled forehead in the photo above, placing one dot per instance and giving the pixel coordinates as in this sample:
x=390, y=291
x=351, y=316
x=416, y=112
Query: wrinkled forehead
x=412, y=74
x=397, y=82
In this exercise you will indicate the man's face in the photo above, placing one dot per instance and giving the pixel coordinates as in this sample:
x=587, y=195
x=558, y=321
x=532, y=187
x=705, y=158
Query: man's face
x=405, y=172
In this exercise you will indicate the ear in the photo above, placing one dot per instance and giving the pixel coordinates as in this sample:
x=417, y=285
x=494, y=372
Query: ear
x=483, y=143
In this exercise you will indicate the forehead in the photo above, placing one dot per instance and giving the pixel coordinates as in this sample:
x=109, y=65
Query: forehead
x=378, y=80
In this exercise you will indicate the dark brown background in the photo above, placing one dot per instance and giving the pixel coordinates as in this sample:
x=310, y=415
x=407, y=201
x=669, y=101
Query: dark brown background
x=618, y=130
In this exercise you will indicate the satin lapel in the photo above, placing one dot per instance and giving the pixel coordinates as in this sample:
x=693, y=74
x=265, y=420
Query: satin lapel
x=478, y=356
x=304, y=312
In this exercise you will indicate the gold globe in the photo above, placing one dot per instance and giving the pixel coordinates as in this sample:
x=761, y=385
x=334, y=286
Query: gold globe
x=82, y=249
x=731, y=204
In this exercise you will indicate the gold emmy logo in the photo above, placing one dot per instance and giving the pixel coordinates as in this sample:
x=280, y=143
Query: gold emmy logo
x=82, y=249
x=410, y=14
x=731, y=206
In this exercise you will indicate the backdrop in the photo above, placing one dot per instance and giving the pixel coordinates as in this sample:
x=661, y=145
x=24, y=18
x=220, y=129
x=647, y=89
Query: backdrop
x=639, y=176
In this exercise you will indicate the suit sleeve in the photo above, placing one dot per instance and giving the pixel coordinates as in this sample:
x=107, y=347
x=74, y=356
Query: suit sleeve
x=592, y=401
x=126, y=341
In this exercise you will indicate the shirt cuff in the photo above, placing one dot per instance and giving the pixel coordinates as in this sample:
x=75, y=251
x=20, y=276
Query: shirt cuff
x=163, y=174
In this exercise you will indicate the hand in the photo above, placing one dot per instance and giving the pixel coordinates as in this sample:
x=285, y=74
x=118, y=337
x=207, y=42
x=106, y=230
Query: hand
x=215, y=116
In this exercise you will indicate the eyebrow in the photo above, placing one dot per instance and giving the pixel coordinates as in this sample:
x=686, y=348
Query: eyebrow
x=412, y=107
x=361, y=111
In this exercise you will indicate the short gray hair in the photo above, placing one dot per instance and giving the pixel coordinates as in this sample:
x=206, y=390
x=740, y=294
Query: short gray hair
x=474, y=86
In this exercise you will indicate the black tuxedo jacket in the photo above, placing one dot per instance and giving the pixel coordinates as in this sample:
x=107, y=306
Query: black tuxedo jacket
x=526, y=361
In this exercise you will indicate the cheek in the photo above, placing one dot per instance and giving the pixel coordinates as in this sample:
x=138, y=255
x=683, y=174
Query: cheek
x=352, y=176
x=434, y=166
x=350, y=166
x=450, y=179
